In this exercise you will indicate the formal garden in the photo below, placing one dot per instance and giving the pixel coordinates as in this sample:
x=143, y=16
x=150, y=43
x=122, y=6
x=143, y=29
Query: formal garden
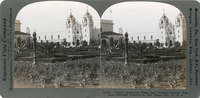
x=91, y=66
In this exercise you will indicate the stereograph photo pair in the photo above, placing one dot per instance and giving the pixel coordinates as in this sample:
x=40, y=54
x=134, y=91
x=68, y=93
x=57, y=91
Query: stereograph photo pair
x=79, y=49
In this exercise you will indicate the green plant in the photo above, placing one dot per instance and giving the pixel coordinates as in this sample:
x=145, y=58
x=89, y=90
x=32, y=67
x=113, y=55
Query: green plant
x=84, y=43
x=93, y=42
x=141, y=49
x=19, y=41
x=64, y=42
x=157, y=43
x=49, y=48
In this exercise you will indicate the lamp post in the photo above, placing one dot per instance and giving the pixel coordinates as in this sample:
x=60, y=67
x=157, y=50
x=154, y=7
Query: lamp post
x=34, y=49
x=126, y=49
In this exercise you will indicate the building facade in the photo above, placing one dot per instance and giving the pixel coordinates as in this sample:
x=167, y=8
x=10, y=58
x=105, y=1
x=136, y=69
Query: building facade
x=75, y=32
x=21, y=36
x=167, y=33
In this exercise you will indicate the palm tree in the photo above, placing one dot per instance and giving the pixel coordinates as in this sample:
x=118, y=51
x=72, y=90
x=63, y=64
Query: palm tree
x=141, y=49
x=49, y=48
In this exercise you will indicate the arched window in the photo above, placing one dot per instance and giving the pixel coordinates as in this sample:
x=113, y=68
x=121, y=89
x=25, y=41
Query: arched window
x=85, y=20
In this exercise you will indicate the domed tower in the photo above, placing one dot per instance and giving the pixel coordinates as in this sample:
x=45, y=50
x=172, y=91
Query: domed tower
x=87, y=26
x=163, y=22
x=70, y=22
x=180, y=26
x=120, y=31
x=27, y=30
x=170, y=35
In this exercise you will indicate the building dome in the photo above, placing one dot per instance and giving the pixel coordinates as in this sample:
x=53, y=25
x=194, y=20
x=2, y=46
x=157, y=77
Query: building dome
x=180, y=15
x=71, y=17
x=164, y=18
x=87, y=14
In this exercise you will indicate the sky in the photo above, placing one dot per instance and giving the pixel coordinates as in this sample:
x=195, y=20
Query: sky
x=139, y=17
x=44, y=17
x=133, y=17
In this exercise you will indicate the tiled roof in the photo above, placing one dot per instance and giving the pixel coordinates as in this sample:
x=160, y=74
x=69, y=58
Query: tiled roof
x=110, y=33
x=104, y=37
x=20, y=33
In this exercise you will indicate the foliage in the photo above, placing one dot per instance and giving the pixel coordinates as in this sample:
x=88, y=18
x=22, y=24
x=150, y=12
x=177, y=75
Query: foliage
x=184, y=44
x=157, y=43
x=116, y=42
x=173, y=73
x=177, y=44
x=49, y=48
x=166, y=44
x=150, y=45
x=62, y=73
x=141, y=49
x=29, y=43
x=64, y=42
x=73, y=43
x=19, y=41
x=84, y=43
x=23, y=43
x=93, y=42
x=86, y=73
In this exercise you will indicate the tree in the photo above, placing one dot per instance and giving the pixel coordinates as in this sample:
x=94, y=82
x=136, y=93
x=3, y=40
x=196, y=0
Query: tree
x=84, y=43
x=93, y=42
x=19, y=41
x=141, y=49
x=23, y=42
x=150, y=45
x=184, y=44
x=29, y=43
x=177, y=44
x=41, y=41
x=157, y=43
x=115, y=42
x=64, y=42
x=166, y=44
x=111, y=41
x=58, y=45
x=134, y=42
x=49, y=48
x=73, y=43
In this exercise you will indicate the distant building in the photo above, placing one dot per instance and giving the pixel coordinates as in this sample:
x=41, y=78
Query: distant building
x=21, y=36
x=108, y=37
x=167, y=33
x=77, y=32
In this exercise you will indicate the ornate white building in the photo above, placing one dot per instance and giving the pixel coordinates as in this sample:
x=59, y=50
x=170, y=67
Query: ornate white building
x=167, y=33
x=75, y=32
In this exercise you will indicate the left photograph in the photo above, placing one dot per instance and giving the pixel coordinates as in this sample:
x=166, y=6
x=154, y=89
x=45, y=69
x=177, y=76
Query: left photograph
x=57, y=45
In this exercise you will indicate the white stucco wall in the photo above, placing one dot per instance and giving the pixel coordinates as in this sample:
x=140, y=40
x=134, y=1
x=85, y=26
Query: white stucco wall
x=106, y=25
x=144, y=37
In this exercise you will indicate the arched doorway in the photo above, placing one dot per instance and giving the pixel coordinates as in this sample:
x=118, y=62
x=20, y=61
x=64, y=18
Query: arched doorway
x=77, y=42
x=103, y=42
x=170, y=43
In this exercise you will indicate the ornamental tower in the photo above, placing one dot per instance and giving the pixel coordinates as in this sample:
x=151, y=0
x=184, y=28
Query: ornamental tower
x=180, y=26
x=87, y=27
x=163, y=22
x=70, y=22
x=167, y=32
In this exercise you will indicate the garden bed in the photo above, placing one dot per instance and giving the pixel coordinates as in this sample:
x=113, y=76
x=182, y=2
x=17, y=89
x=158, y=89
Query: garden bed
x=146, y=60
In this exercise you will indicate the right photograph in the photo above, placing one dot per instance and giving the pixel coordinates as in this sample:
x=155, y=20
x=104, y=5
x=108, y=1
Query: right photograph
x=143, y=45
